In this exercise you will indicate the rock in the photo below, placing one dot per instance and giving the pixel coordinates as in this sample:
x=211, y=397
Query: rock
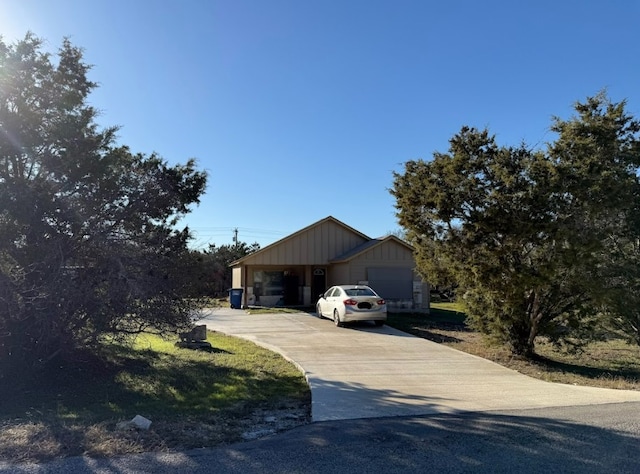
x=197, y=334
x=141, y=422
x=138, y=422
x=195, y=339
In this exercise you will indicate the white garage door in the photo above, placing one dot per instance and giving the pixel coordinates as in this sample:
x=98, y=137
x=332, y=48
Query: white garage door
x=391, y=283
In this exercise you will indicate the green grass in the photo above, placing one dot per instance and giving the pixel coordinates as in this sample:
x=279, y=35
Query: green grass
x=453, y=313
x=182, y=391
x=448, y=308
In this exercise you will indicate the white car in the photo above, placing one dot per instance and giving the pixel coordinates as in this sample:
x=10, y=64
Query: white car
x=346, y=303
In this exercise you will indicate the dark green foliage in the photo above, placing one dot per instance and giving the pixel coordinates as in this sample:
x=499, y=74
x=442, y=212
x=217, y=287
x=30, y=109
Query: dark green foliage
x=87, y=239
x=621, y=278
x=211, y=268
x=219, y=260
x=527, y=234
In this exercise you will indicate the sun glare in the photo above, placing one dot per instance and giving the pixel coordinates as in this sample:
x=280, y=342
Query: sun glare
x=16, y=20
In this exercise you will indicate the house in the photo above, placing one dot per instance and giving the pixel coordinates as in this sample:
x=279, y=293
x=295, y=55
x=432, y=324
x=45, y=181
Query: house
x=295, y=270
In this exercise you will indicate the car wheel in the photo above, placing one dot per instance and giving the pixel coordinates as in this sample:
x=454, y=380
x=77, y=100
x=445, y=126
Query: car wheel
x=336, y=318
x=318, y=313
x=379, y=323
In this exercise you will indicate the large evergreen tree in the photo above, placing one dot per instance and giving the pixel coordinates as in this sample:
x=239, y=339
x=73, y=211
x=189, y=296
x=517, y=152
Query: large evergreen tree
x=527, y=235
x=88, y=244
x=598, y=155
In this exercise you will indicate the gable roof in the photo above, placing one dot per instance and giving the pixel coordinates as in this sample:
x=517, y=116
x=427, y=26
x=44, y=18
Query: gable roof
x=360, y=249
x=297, y=234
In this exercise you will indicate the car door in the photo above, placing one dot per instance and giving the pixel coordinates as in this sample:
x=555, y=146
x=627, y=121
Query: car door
x=323, y=303
x=334, y=301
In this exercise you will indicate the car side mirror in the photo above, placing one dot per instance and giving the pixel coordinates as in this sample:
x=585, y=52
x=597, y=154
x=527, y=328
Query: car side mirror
x=321, y=295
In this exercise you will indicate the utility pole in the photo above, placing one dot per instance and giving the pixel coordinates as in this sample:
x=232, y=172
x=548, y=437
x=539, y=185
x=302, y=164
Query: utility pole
x=235, y=236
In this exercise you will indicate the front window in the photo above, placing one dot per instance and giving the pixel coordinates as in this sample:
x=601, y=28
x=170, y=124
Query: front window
x=269, y=283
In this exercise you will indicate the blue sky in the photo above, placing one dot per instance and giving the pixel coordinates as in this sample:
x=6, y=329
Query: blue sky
x=303, y=109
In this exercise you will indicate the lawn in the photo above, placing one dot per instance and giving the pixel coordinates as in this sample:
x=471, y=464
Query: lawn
x=193, y=398
x=611, y=364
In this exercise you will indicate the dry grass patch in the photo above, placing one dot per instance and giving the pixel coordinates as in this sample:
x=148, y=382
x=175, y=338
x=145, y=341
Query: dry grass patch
x=608, y=364
x=193, y=398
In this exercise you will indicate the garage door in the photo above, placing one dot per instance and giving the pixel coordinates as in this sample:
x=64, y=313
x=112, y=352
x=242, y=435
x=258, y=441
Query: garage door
x=391, y=283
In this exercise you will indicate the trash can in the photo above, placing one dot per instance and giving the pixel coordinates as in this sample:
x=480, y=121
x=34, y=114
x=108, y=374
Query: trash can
x=235, y=298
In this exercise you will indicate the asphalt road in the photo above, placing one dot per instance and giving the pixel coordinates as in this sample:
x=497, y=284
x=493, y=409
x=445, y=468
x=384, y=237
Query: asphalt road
x=583, y=439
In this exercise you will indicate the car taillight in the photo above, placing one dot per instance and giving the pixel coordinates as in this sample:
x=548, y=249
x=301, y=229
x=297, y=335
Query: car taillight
x=380, y=302
x=350, y=302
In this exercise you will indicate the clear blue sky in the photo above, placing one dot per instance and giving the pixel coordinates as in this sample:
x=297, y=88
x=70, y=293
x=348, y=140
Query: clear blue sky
x=303, y=109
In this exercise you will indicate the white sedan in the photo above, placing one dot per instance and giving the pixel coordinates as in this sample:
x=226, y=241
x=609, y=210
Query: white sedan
x=346, y=303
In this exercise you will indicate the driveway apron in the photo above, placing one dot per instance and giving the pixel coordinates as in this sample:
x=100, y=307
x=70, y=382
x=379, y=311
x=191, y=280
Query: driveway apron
x=364, y=371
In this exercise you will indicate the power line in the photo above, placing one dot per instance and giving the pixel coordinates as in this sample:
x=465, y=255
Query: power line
x=250, y=230
x=203, y=236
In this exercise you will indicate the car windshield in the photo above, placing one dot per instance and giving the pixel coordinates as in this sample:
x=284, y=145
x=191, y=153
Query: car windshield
x=359, y=292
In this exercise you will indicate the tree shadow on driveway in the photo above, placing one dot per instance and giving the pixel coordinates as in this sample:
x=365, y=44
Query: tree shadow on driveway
x=339, y=400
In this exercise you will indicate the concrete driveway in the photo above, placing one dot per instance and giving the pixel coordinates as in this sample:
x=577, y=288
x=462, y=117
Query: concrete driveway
x=364, y=372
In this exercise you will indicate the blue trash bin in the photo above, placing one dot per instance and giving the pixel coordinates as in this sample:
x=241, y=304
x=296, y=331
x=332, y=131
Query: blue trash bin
x=235, y=298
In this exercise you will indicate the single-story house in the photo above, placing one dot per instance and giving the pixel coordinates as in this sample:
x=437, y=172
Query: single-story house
x=295, y=270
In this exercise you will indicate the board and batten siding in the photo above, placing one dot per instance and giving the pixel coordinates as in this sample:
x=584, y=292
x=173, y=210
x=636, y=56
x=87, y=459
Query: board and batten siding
x=315, y=246
x=390, y=254
x=389, y=269
x=339, y=274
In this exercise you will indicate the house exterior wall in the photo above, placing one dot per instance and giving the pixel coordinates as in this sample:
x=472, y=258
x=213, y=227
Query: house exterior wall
x=236, y=277
x=339, y=274
x=425, y=295
x=305, y=263
x=315, y=246
x=392, y=255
